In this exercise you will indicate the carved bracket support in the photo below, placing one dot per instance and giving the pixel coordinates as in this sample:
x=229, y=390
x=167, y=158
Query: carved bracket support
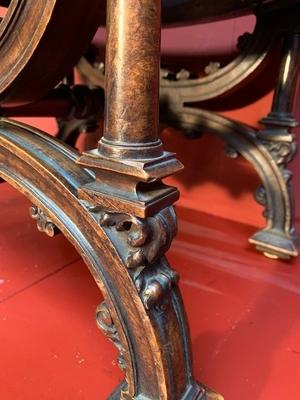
x=106, y=324
x=282, y=151
x=147, y=241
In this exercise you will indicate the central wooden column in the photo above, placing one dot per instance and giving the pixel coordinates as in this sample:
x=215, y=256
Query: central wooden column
x=130, y=145
x=132, y=80
x=144, y=315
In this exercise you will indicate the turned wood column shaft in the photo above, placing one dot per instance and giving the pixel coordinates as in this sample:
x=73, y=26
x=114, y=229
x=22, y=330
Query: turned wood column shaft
x=285, y=89
x=132, y=80
x=283, y=100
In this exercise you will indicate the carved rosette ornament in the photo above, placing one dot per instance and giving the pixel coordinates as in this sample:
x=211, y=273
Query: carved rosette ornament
x=244, y=40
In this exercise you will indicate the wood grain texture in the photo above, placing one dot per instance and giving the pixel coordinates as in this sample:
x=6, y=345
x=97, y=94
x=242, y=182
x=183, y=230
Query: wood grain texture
x=132, y=80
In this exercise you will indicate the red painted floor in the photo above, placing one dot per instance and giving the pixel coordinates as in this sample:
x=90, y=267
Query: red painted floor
x=243, y=311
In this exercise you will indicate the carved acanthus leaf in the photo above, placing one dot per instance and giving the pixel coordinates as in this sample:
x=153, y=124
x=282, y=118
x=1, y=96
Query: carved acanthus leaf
x=146, y=241
x=105, y=323
x=261, y=198
x=154, y=282
x=283, y=152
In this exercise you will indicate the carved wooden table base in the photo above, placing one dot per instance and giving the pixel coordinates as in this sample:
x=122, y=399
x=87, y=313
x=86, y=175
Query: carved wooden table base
x=269, y=150
x=111, y=202
x=112, y=205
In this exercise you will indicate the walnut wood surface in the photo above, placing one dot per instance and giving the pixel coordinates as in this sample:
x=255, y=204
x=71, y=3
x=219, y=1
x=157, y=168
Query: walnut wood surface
x=184, y=11
x=132, y=80
x=135, y=206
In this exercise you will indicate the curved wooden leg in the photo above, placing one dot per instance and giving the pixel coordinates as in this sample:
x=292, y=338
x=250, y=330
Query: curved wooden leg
x=143, y=312
x=278, y=139
x=270, y=149
x=277, y=238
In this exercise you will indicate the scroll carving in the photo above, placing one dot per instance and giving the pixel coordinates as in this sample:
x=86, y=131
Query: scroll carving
x=44, y=223
x=105, y=323
x=146, y=241
x=147, y=238
x=283, y=152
